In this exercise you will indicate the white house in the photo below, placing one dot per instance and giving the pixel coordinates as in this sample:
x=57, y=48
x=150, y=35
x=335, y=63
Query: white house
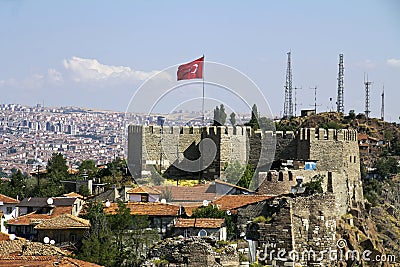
x=8, y=210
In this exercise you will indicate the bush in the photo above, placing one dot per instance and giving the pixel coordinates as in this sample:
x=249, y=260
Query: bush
x=259, y=219
x=314, y=186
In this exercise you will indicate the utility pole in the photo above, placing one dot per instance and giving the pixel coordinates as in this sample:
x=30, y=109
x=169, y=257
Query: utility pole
x=288, y=105
x=367, y=89
x=295, y=100
x=340, y=93
x=383, y=104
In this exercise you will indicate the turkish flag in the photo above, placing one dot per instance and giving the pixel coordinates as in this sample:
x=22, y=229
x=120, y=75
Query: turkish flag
x=191, y=70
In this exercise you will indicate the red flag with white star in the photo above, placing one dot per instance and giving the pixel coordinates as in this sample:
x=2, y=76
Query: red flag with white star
x=191, y=70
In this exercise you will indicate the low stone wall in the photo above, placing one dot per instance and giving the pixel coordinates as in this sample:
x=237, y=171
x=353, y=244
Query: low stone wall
x=194, y=251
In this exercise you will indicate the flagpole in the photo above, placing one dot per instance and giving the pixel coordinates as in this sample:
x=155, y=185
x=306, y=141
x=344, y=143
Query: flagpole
x=203, y=90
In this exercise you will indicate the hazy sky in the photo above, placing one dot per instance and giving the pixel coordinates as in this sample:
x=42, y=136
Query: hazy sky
x=97, y=53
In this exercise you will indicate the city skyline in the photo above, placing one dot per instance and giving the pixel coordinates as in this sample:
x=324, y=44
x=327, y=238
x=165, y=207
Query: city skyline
x=97, y=54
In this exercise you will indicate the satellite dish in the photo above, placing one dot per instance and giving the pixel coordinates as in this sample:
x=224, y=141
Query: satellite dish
x=52, y=241
x=12, y=237
x=163, y=201
x=228, y=212
x=50, y=201
x=205, y=203
x=108, y=203
x=46, y=240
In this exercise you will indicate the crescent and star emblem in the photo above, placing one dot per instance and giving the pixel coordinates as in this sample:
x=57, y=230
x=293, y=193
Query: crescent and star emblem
x=195, y=70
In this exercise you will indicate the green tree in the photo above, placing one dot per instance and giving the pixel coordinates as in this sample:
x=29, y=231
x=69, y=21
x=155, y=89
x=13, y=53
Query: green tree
x=156, y=178
x=222, y=115
x=98, y=246
x=212, y=211
x=216, y=117
x=232, y=118
x=57, y=166
x=84, y=190
x=266, y=124
x=352, y=115
x=314, y=186
x=254, y=118
x=16, y=187
x=247, y=177
x=233, y=172
x=386, y=166
x=89, y=168
x=132, y=236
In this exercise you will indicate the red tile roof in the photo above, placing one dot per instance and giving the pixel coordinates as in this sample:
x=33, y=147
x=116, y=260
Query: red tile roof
x=14, y=247
x=64, y=221
x=43, y=261
x=4, y=236
x=29, y=219
x=8, y=200
x=190, y=208
x=144, y=190
x=73, y=194
x=199, y=223
x=34, y=218
x=361, y=136
x=196, y=193
x=232, y=202
x=146, y=208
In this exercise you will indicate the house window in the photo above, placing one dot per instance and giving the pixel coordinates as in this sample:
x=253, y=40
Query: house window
x=269, y=177
x=186, y=233
x=290, y=176
x=350, y=159
x=18, y=229
x=9, y=210
x=354, y=159
x=72, y=237
x=145, y=198
x=202, y=232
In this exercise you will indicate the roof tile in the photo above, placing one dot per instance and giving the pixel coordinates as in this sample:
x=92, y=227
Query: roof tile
x=199, y=223
x=146, y=208
x=233, y=202
x=8, y=200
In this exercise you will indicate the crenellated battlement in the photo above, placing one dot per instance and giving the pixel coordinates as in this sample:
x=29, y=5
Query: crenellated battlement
x=312, y=134
x=209, y=130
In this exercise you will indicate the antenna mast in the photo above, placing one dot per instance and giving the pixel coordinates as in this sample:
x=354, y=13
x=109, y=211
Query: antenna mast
x=315, y=98
x=340, y=100
x=288, y=105
x=383, y=104
x=367, y=88
x=295, y=100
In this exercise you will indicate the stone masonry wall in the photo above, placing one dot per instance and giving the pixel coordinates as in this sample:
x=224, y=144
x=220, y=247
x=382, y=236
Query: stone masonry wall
x=314, y=229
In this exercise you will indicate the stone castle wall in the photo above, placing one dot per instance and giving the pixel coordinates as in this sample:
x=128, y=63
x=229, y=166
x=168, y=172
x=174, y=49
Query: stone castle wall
x=302, y=225
x=146, y=143
x=336, y=152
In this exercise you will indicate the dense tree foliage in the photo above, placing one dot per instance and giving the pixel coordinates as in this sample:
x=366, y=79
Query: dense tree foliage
x=314, y=186
x=16, y=186
x=232, y=118
x=156, y=178
x=219, y=115
x=239, y=174
x=212, y=211
x=88, y=168
x=116, y=240
x=254, y=118
x=386, y=166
